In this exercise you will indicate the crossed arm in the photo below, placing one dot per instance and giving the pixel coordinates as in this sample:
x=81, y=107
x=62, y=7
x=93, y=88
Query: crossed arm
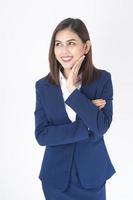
x=95, y=115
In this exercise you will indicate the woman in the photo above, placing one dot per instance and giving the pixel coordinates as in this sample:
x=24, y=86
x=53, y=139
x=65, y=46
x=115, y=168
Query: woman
x=73, y=112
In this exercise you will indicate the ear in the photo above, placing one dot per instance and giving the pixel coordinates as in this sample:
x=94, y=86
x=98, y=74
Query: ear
x=87, y=46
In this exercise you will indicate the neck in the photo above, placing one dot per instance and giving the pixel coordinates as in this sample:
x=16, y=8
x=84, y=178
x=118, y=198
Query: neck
x=66, y=72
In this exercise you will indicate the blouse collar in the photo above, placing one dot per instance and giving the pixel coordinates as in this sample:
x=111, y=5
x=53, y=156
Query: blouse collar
x=63, y=79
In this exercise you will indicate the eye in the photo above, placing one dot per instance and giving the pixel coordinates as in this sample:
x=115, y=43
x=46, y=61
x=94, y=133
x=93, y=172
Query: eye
x=71, y=43
x=57, y=44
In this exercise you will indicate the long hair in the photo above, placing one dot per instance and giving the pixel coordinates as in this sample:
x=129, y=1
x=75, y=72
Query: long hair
x=88, y=70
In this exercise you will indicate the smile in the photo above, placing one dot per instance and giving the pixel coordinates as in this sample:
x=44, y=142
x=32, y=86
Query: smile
x=66, y=58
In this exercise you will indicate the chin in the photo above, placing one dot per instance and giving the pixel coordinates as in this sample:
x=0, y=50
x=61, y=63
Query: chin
x=68, y=66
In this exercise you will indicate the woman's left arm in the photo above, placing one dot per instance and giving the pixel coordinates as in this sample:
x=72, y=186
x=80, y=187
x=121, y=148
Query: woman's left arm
x=98, y=120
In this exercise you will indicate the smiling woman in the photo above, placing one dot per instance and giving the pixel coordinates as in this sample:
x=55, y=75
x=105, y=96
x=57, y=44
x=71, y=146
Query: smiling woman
x=69, y=48
x=73, y=112
x=70, y=41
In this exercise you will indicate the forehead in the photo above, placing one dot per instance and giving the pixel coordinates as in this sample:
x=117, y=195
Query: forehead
x=66, y=34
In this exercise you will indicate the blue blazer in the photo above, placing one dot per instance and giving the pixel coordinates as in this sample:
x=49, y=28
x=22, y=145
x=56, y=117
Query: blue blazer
x=64, y=138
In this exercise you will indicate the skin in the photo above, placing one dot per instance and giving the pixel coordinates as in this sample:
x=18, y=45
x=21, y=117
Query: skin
x=68, y=45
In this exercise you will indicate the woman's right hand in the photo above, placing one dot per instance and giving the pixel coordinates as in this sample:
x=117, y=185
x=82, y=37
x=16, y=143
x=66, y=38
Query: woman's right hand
x=100, y=103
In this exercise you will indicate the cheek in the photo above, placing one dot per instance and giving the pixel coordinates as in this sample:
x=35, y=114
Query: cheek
x=79, y=52
x=82, y=50
x=56, y=54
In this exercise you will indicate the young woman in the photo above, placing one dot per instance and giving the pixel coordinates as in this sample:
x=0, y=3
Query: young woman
x=73, y=112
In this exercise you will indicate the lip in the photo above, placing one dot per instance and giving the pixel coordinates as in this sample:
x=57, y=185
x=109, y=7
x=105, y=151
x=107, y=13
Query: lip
x=66, y=58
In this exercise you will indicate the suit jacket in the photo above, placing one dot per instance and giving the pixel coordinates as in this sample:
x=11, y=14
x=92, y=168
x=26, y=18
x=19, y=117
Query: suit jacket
x=64, y=139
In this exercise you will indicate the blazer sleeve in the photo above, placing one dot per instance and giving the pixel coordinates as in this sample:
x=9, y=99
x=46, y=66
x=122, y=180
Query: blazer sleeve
x=48, y=134
x=98, y=120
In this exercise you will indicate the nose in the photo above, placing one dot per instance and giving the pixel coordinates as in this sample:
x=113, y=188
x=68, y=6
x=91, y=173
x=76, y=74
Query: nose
x=65, y=50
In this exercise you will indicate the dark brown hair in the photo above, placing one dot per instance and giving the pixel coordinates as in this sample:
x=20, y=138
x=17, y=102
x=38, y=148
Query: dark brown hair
x=89, y=71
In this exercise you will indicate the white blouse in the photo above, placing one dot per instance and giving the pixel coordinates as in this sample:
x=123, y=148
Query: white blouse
x=65, y=92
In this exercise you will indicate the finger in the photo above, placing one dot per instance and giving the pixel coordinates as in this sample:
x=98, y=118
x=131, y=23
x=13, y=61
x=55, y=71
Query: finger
x=100, y=107
x=99, y=101
x=99, y=104
x=78, y=64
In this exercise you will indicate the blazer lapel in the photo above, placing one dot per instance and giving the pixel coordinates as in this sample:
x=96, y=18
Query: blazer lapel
x=56, y=101
x=56, y=96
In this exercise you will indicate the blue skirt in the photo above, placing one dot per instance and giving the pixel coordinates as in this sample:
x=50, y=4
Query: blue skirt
x=74, y=191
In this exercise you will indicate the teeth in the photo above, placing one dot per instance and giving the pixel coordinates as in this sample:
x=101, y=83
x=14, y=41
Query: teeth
x=66, y=58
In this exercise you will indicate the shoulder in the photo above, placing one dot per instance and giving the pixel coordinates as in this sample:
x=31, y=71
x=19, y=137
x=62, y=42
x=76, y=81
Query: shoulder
x=103, y=80
x=42, y=81
x=105, y=76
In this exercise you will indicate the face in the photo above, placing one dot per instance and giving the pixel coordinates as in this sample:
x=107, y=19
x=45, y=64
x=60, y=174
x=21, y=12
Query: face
x=69, y=48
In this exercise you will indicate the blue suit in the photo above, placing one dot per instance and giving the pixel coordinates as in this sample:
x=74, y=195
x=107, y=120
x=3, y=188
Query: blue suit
x=64, y=138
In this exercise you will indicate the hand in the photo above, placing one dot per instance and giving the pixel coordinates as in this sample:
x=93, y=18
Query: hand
x=73, y=75
x=100, y=103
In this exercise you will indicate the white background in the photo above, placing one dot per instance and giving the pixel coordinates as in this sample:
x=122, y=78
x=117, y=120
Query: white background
x=25, y=32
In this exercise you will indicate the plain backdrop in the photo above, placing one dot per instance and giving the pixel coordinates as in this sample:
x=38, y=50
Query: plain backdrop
x=25, y=33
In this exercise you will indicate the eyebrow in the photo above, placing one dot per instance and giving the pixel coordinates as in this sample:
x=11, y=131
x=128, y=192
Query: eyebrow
x=66, y=41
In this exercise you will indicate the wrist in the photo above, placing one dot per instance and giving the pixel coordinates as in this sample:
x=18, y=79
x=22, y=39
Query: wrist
x=72, y=89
